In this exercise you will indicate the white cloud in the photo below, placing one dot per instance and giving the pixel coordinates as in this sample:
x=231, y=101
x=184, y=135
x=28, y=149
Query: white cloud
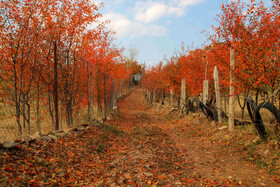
x=186, y=3
x=126, y=27
x=144, y=15
x=157, y=30
x=149, y=11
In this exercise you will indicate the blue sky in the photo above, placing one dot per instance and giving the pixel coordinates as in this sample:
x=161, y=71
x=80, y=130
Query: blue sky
x=157, y=27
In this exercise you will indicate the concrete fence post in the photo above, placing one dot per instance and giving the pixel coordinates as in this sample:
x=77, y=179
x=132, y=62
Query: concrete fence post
x=231, y=90
x=183, y=93
x=218, y=94
x=171, y=98
x=205, y=91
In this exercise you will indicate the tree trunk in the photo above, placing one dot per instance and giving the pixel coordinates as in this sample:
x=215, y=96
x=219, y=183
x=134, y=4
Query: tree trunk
x=113, y=104
x=257, y=98
x=279, y=100
x=243, y=105
x=183, y=93
x=23, y=113
x=154, y=96
x=18, y=118
x=55, y=89
x=225, y=102
x=104, y=96
x=171, y=98
x=17, y=95
x=38, y=109
x=68, y=114
x=28, y=117
x=162, y=97
x=51, y=109
x=89, y=96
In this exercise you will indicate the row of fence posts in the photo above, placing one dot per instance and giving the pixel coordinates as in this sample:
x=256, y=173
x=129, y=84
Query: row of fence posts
x=117, y=90
x=54, y=117
x=217, y=92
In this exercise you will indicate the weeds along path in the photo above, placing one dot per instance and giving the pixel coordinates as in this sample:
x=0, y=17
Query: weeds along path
x=139, y=146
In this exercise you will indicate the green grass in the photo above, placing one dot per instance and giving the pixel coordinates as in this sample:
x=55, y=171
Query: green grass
x=266, y=162
x=100, y=149
x=112, y=129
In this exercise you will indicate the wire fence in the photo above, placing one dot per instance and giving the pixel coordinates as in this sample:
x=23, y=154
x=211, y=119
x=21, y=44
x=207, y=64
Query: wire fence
x=264, y=116
x=97, y=104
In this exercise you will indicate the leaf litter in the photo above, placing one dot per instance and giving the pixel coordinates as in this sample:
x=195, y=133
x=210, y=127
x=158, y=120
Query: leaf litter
x=139, y=146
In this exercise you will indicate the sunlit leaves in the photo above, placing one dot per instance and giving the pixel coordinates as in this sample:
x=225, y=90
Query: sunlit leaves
x=29, y=29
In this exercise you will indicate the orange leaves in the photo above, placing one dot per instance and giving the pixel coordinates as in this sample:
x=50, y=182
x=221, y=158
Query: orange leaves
x=250, y=28
x=28, y=37
x=190, y=66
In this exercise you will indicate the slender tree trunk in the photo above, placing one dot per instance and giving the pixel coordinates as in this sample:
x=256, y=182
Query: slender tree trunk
x=38, y=109
x=257, y=97
x=28, y=117
x=68, y=114
x=60, y=115
x=243, y=105
x=17, y=99
x=104, y=96
x=279, y=100
x=113, y=94
x=71, y=113
x=272, y=99
x=51, y=109
x=183, y=94
x=225, y=102
x=18, y=119
x=23, y=113
x=154, y=96
x=55, y=89
x=171, y=98
x=89, y=96
x=162, y=97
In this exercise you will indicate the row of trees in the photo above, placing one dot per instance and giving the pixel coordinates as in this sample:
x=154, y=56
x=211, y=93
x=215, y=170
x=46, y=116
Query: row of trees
x=252, y=30
x=50, y=54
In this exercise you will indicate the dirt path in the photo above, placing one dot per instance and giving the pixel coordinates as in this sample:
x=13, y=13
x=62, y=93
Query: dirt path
x=137, y=147
x=165, y=150
x=161, y=151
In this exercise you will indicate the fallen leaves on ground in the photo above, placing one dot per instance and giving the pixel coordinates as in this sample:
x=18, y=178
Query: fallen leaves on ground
x=137, y=147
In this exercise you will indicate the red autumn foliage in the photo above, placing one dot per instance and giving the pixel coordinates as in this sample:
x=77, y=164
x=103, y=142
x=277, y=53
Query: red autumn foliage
x=252, y=30
x=29, y=31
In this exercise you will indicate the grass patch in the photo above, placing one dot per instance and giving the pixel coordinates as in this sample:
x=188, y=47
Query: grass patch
x=100, y=149
x=112, y=129
x=266, y=162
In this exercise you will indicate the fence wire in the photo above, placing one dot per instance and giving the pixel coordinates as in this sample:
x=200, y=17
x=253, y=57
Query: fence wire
x=101, y=100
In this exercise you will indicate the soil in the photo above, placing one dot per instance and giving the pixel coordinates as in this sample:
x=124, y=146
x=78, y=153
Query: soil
x=145, y=146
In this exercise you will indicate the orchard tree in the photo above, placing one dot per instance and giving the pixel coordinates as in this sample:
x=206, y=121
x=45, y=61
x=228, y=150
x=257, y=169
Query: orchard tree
x=253, y=31
x=45, y=48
